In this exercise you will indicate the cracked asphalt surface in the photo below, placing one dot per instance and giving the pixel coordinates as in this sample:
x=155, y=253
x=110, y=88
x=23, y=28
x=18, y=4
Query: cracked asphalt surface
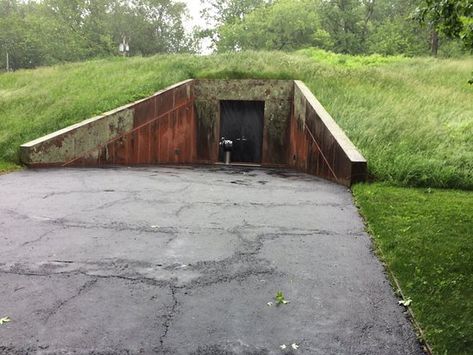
x=165, y=260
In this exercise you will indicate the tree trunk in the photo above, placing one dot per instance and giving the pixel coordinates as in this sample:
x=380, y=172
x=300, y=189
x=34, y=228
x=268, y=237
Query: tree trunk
x=434, y=42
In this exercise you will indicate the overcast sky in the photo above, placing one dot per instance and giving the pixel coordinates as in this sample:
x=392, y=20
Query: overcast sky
x=194, y=7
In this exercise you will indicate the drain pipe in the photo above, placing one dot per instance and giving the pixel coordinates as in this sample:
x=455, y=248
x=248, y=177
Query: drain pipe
x=227, y=146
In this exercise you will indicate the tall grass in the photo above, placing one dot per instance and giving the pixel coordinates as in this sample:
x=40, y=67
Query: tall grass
x=411, y=118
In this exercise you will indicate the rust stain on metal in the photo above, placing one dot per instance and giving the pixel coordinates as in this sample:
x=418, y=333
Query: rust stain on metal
x=173, y=130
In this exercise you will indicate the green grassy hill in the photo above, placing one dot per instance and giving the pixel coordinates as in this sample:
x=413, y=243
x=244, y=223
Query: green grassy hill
x=411, y=118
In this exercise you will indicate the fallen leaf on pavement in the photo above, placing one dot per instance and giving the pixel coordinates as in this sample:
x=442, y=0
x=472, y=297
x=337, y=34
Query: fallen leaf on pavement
x=5, y=320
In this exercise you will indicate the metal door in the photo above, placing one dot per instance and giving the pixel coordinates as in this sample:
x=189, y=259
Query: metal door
x=243, y=122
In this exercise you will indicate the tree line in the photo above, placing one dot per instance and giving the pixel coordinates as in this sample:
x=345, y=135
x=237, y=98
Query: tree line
x=387, y=27
x=45, y=32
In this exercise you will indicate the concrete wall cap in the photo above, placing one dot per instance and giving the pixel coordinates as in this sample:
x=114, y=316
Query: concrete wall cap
x=345, y=143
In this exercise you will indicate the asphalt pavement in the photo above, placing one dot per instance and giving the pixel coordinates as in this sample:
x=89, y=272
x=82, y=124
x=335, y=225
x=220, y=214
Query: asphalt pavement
x=163, y=260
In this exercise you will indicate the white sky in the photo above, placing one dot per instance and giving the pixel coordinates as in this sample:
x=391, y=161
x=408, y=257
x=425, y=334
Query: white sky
x=194, y=7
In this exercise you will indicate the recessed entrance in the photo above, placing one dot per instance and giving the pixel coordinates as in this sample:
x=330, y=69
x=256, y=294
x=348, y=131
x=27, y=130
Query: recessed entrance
x=242, y=122
x=271, y=123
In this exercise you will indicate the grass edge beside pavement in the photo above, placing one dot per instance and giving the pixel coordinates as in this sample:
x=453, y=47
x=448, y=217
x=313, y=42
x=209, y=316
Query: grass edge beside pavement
x=394, y=282
x=8, y=167
x=424, y=242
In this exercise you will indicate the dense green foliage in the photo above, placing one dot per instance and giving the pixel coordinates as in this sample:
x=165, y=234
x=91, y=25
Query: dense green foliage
x=228, y=11
x=44, y=32
x=287, y=24
x=454, y=18
x=424, y=236
x=344, y=26
x=411, y=118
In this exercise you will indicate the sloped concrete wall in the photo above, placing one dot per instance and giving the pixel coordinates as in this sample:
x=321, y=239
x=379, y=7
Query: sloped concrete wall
x=164, y=121
x=318, y=145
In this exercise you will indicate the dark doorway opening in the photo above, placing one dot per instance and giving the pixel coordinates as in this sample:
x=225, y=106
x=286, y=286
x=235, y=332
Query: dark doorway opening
x=243, y=123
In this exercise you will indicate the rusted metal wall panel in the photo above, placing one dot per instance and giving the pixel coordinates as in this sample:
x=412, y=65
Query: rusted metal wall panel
x=277, y=95
x=164, y=140
x=318, y=145
x=125, y=135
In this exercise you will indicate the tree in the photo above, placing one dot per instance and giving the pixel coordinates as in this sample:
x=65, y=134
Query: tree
x=218, y=13
x=344, y=21
x=282, y=25
x=392, y=31
x=454, y=18
x=44, y=32
x=346, y=26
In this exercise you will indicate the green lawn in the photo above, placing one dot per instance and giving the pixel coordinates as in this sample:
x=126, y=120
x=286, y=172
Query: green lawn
x=425, y=238
x=411, y=118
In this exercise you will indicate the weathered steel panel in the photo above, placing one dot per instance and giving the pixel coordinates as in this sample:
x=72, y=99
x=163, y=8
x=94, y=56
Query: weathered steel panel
x=166, y=139
x=165, y=102
x=153, y=139
x=77, y=143
x=145, y=111
x=324, y=150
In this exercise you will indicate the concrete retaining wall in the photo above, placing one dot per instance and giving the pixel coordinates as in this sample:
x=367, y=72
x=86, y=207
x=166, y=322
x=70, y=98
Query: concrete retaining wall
x=181, y=125
x=164, y=121
x=318, y=145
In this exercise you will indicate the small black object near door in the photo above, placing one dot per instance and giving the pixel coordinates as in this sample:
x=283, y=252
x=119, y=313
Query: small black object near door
x=242, y=122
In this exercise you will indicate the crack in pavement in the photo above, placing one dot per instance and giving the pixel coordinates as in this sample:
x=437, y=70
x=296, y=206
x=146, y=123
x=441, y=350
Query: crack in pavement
x=66, y=193
x=245, y=259
x=112, y=203
x=191, y=205
x=241, y=265
x=40, y=238
x=112, y=258
x=115, y=226
x=89, y=284
x=169, y=316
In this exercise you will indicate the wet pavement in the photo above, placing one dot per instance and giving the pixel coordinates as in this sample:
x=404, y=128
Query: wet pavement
x=166, y=260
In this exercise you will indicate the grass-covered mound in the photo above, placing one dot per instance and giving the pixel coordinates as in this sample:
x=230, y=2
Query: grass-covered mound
x=411, y=118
